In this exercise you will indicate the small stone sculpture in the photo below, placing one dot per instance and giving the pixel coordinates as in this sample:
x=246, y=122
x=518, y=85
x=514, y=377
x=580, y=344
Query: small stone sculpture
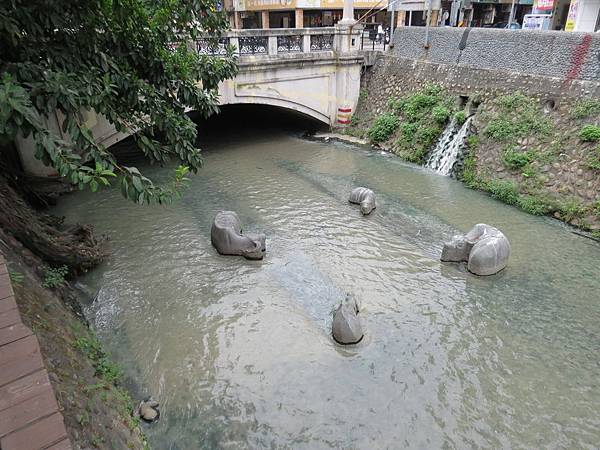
x=484, y=248
x=346, y=327
x=148, y=411
x=363, y=197
x=226, y=236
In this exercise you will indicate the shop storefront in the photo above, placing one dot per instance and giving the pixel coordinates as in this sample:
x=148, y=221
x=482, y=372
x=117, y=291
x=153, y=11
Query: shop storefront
x=282, y=19
x=497, y=14
x=304, y=13
x=583, y=15
x=413, y=13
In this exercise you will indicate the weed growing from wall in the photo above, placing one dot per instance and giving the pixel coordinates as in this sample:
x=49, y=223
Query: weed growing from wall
x=383, y=127
x=55, y=276
x=514, y=159
x=585, y=108
x=423, y=116
x=590, y=133
x=460, y=117
x=593, y=159
x=518, y=116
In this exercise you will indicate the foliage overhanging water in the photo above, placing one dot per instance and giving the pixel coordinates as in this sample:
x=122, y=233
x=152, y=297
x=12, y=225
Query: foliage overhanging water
x=239, y=353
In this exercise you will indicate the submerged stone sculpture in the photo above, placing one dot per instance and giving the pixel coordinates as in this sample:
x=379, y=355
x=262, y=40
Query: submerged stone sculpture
x=226, y=236
x=346, y=327
x=484, y=248
x=363, y=197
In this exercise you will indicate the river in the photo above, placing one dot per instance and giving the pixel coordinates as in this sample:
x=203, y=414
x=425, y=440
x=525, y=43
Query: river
x=239, y=352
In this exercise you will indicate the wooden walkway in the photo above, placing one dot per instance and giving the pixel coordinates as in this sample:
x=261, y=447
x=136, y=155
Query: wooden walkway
x=29, y=415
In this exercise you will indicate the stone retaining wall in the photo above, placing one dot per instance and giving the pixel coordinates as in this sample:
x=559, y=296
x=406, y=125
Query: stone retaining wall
x=562, y=175
x=567, y=56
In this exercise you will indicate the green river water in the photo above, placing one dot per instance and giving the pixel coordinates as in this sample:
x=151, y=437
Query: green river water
x=239, y=352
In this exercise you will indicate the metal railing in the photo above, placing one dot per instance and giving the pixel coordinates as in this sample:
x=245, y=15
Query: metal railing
x=290, y=44
x=269, y=42
x=253, y=45
x=370, y=40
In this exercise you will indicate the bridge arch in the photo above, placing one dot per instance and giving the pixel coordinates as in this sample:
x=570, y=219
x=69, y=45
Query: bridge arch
x=280, y=103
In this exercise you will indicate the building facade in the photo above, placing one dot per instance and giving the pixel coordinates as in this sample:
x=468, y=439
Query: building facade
x=246, y=14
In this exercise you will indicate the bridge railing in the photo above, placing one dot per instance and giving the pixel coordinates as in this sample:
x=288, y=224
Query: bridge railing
x=269, y=42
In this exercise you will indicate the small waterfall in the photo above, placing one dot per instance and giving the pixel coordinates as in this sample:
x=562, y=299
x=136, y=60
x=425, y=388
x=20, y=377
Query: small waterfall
x=449, y=147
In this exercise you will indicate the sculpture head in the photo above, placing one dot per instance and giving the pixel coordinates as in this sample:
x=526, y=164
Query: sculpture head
x=254, y=252
x=366, y=206
x=456, y=250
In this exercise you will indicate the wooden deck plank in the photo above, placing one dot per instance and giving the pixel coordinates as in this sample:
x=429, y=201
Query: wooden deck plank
x=9, y=318
x=16, y=350
x=4, y=279
x=13, y=333
x=23, y=389
x=19, y=368
x=6, y=291
x=62, y=445
x=18, y=416
x=19, y=358
x=36, y=436
x=7, y=304
x=3, y=268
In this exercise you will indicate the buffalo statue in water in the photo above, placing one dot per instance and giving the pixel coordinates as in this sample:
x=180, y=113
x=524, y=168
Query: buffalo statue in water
x=346, y=327
x=485, y=249
x=363, y=197
x=226, y=236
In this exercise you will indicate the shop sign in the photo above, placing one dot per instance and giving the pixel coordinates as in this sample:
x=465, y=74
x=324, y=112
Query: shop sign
x=543, y=5
x=308, y=3
x=571, y=16
x=268, y=4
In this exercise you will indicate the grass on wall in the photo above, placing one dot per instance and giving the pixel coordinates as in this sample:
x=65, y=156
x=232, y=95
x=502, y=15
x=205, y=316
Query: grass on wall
x=582, y=109
x=415, y=121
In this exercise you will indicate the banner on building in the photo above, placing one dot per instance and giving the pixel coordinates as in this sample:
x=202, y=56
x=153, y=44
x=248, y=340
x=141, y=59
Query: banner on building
x=572, y=16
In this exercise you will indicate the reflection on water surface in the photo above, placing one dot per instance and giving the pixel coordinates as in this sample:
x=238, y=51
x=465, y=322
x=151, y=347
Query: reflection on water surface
x=239, y=354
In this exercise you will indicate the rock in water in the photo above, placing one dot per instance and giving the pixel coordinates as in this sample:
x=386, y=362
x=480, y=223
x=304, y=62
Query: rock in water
x=365, y=198
x=485, y=249
x=148, y=411
x=346, y=327
x=226, y=236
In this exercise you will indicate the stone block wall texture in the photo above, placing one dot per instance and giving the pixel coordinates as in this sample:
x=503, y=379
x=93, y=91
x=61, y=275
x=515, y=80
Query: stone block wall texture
x=568, y=56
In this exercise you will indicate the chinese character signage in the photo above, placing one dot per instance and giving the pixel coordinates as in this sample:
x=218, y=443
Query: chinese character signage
x=543, y=5
x=572, y=16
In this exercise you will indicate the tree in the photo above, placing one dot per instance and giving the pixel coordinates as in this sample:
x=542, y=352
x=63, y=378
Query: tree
x=129, y=60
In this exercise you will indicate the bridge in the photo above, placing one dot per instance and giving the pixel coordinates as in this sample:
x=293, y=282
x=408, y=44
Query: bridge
x=315, y=71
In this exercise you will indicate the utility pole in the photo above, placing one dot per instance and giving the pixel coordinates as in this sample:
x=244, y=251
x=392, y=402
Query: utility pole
x=512, y=14
x=427, y=23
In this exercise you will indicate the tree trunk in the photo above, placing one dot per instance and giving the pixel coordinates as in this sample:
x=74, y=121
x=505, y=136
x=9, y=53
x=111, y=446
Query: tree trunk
x=46, y=235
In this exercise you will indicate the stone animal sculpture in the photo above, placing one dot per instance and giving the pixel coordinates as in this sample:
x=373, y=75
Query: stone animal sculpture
x=346, y=327
x=226, y=236
x=363, y=197
x=484, y=248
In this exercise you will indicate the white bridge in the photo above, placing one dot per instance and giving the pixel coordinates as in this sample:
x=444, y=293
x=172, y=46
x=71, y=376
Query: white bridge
x=315, y=71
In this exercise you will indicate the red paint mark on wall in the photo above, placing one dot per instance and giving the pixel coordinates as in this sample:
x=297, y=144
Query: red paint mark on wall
x=578, y=57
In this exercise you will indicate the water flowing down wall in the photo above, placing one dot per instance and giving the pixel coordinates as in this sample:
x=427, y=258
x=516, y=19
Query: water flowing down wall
x=449, y=148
